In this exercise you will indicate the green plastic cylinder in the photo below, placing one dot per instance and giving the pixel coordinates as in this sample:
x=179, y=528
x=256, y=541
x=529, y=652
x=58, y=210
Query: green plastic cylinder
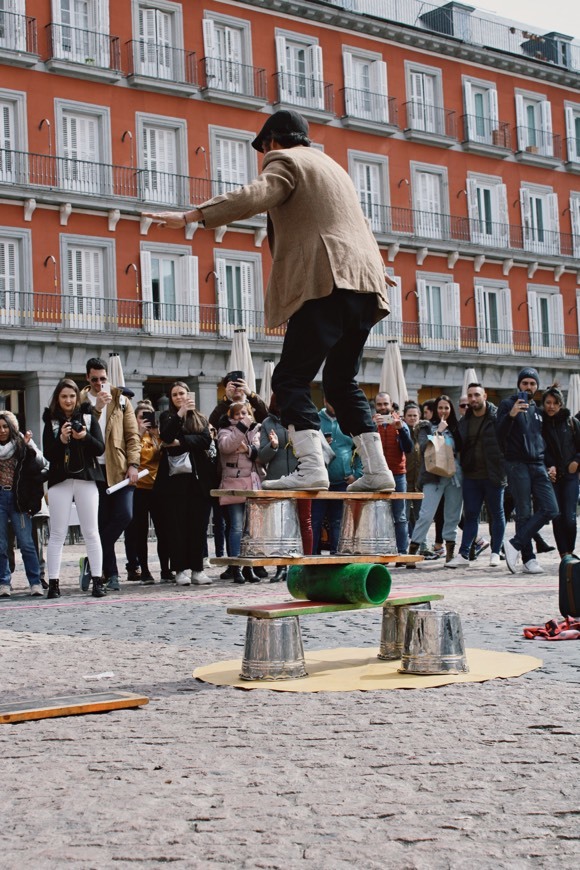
x=340, y=584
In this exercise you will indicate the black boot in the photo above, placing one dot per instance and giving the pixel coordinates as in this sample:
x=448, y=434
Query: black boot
x=53, y=589
x=248, y=574
x=541, y=545
x=236, y=574
x=260, y=572
x=228, y=574
x=280, y=575
x=413, y=550
x=99, y=588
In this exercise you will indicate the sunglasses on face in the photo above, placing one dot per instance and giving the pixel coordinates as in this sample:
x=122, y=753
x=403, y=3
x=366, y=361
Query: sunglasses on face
x=464, y=405
x=100, y=380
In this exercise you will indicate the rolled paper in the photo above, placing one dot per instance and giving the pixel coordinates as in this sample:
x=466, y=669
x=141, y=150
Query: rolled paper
x=340, y=584
x=122, y=483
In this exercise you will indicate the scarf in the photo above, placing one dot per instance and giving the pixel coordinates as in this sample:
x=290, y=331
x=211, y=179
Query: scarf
x=7, y=450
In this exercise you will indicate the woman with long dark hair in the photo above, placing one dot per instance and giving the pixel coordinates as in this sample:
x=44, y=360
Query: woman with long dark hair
x=434, y=486
x=561, y=432
x=71, y=441
x=183, y=483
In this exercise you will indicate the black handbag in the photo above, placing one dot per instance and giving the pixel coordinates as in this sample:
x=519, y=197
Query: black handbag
x=569, y=588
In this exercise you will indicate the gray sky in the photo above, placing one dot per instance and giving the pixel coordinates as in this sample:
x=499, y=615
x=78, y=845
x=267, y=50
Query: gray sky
x=560, y=15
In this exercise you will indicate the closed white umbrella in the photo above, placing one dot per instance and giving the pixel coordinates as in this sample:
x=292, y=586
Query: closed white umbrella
x=469, y=377
x=266, y=384
x=241, y=358
x=573, y=403
x=392, y=375
x=116, y=376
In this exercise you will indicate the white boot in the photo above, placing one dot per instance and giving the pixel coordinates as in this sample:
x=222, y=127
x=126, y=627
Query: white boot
x=377, y=476
x=310, y=473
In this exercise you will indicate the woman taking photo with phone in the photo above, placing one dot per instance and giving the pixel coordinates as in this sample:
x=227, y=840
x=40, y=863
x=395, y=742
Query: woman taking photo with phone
x=71, y=442
x=183, y=483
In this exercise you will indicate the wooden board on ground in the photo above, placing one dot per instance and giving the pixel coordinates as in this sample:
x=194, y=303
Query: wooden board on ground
x=312, y=560
x=73, y=705
x=304, y=608
x=318, y=493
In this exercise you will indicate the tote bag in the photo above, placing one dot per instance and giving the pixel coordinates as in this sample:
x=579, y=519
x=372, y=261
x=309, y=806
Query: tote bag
x=439, y=457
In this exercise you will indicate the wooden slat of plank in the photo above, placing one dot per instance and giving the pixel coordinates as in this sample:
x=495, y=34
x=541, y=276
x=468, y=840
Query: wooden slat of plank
x=74, y=705
x=312, y=560
x=306, y=608
x=318, y=494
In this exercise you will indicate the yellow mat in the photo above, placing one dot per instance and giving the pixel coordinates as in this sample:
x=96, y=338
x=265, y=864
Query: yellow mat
x=350, y=669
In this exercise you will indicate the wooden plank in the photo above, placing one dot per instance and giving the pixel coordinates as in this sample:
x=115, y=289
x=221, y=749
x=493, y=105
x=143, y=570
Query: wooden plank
x=313, y=560
x=318, y=494
x=308, y=608
x=74, y=705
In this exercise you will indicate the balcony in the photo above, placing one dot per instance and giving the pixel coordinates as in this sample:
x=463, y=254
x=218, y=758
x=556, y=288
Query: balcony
x=431, y=125
x=313, y=97
x=73, y=51
x=369, y=112
x=234, y=84
x=486, y=136
x=18, y=39
x=161, y=67
x=538, y=147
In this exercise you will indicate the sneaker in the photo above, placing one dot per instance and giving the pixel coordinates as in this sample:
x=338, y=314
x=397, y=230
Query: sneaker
x=533, y=567
x=479, y=547
x=85, y=574
x=113, y=584
x=511, y=555
x=430, y=555
x=182, y=578
x=200, y=578
x=36, y=589
x=147, y=579
x=4, y=590
x=494, y=560
x=458, y=561
x=167, y=577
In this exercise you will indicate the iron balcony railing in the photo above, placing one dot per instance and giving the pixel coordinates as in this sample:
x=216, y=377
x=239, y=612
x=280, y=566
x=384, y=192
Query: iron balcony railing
x=486, y=131
x=305, y=91
x=369, y=106
x=85, y=47
x=427, y=118
x=159, y=61
x=541, y=142
x=169, y=320
x=233, y=78
x=18, y=33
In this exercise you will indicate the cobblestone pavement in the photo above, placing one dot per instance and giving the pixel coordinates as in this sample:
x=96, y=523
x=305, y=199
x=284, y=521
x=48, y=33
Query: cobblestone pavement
x=217, y=777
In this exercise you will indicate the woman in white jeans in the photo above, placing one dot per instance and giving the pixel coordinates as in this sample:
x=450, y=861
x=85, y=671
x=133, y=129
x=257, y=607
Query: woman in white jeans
x=71, y=442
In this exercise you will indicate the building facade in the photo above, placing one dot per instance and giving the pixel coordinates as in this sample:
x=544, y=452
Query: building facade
x=466, y=159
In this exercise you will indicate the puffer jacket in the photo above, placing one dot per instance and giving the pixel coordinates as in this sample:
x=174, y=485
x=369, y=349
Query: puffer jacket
x=562, y=436
x=28, y=481
x=231, y=436
x=76, y=460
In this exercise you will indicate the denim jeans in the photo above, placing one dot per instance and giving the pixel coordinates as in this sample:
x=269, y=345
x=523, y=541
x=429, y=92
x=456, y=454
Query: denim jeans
x=236, y=516
x=566, y=491
x=115, y=514
x=399, y=509
x=332, y=511
x=432, y=495
x=475, y=492
x=22, y=526
x=524, y=480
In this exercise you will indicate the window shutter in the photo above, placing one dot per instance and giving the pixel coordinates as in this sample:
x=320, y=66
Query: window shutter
x=315, y=56
x=533, y=321
x=394, y=322
x=557, y=321
x=575, y=218
x=8, y=274
x=452, y=295
x=493, y=108
x=481, y=316
x=505, y=300
x=526, y=207
x=502, y=214
x=546, y=122
x=146, y=280
x=221, y=295
x=570, y=127
x=351, y=98
x=188, y=294
x=247, y=284
x=553, y=223
x=284, y=84
x=7, y=128
x=422, y=304
x=521, y=123
x=416, y=114
x=209, y=38
x=472, y=201
x=469, y=109
x=379, y=78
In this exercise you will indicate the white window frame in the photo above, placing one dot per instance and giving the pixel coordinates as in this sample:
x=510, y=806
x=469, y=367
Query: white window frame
x=433, y=225
x=572, y=114
x=425, y=112
x=171, y=187
x=226, y=73
x=14, y=160
x=446, y=335
x=307, y=89
x=12, y=314
x=480, y=129
x=540, y=237
x=372, y=103
x=14, y=38
x=540, y=141
x=555, y=336
x=90, y=48
x=250, y=315
x=183, y=316
x=95, y=313
x=374, y=206
x=494, y=339
x=242, y=137
x=79, y=175
x=176, y=71
x=499, y=237
x=390, y=327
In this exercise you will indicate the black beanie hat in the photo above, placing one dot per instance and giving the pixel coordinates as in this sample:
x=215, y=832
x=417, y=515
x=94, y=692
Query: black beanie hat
x=529, y=372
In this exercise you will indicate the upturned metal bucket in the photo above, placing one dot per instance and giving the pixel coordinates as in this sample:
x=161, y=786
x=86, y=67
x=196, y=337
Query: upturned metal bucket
x=271, y=528
x=367, y=528
x=433, y=643
x=273, y=650
x=393, y=629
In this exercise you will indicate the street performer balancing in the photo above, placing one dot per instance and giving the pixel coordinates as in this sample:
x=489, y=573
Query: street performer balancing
x=328, y=281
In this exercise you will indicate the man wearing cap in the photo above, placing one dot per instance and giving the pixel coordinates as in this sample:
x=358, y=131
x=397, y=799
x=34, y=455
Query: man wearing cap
x=328, y=281
x=519, y=430
x=237, y=390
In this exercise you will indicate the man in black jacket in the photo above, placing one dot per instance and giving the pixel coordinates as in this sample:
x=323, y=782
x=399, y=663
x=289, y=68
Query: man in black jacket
x=484, y=476
x=519, y=429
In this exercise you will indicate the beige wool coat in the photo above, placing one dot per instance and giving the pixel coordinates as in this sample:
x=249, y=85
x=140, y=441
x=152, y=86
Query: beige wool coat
x=318, y=235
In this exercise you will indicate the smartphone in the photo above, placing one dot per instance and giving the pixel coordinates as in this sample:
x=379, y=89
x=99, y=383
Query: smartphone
x=235, y=377
x=191, y=397
x=523, y=396
x=106, y=388
x=149, y=417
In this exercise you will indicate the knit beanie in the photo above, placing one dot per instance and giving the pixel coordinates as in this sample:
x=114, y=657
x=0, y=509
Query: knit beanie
x=529, y=372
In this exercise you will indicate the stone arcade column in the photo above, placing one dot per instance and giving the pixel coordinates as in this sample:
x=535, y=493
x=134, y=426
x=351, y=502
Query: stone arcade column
x=207, y=393
x=38, y=392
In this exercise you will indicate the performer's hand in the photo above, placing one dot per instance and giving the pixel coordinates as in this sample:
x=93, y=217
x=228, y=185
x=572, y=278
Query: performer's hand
x=390, y=281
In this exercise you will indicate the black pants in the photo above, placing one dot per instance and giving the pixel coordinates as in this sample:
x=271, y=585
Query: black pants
x=333, y=331
x=145, y=505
